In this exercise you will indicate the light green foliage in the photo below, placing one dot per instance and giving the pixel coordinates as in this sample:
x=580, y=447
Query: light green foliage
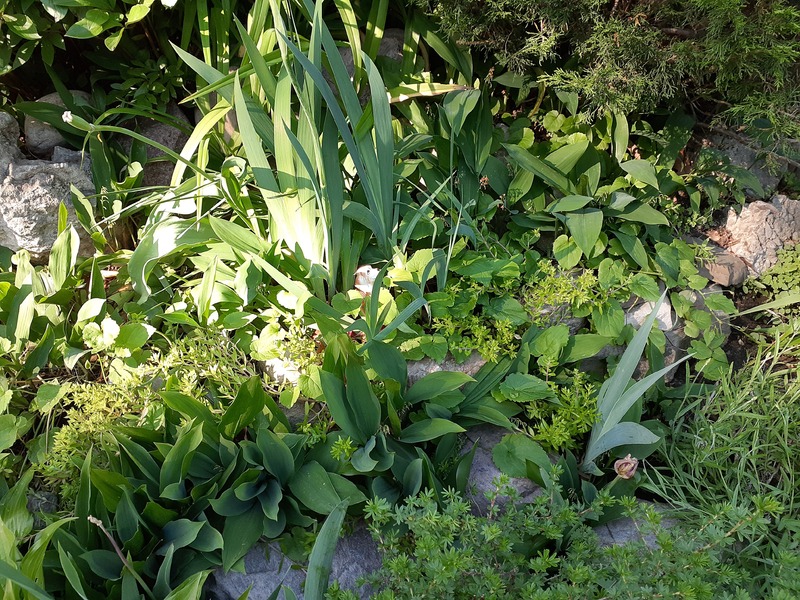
x=734, y=446
x=561, y=424
x=782, y=279
x=554, y=295
x=547, y=552
x=89, y=410
x=204, y=362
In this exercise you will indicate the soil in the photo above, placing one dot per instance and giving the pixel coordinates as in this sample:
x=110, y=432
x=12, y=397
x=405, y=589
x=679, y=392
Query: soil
x=739, y=346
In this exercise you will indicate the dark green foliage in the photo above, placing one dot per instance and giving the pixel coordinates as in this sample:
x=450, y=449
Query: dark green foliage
x=634, y=56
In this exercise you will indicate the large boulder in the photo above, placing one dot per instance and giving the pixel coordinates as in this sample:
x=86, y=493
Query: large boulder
x=267, y=568
x=761, y=229
x=30, y=194
x=158, y=169
x=41, y=138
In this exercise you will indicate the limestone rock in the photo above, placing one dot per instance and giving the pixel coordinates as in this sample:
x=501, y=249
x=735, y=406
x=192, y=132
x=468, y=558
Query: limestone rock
x=622, y=531
x=266, y=568
x=418, y=369
x=158, y=170
x=761, y=229
x=41, y=138
x=30, y=194
x=637, y=311
x=484, y=471
x=9, y=137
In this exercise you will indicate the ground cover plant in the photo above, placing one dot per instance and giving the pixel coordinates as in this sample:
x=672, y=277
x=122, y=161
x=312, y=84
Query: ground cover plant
x=337, y=213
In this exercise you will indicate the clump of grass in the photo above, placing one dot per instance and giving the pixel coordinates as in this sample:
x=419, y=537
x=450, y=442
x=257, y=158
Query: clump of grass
x=738, y=446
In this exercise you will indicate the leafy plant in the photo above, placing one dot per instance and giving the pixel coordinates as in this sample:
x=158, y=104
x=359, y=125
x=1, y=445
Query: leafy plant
x=731, y=448
x=544, y=551
x=617, y=398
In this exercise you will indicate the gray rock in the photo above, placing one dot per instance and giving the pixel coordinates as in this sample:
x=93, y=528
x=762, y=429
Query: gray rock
x=484, y=472
x=9, y=138
x=742, y=155
x=75, y=157
x=761, y=229
x=419, y=368
x=637, y=310
x=41, y=138
x=30, y=194
x=622, y=531
x=158, y=170
x=266, y=568
x=724, y=267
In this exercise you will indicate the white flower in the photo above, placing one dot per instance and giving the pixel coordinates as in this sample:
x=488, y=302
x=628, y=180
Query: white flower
x=66, y=116
x=169, y=3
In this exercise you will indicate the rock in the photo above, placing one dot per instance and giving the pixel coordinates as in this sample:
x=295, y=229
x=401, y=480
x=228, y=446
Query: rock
x=484, y=472
x=742, y=155
x=41, y=138
x=65, y=155
x=724, y=267
x=761, y=229
x=30, y=194
x=266, y=568
x=9, y=138
x=622, y=531
x=637, y=311
x=419, y=368
x=159, y=172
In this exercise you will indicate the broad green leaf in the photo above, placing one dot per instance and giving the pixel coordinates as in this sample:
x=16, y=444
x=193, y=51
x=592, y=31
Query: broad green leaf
x=362, y=402
x=522, y=387
x=513, y=450
x=541, y=169
x=90, y=26
x=239, y=534
x=137, y=13
x=191, y=588
x=25, y=583
x=566, y=252
x=278, y=458
x=322, y=491
x=161, y=240
x=622, y=434
x=457, y=106
x=321, y=559
x=177, y=461
x=584, y=345
x=133, y=336
x=585, y=226
x=609, y=320
x=620, y=136
x=248, y=404
x=641, y=170
x=639, y=212
x=181, y=533
x=435, y=384
x=428, y=429
x=565, y=158
x=569, y=203
x=720, y=302
x=63, y=256
x=634, y=247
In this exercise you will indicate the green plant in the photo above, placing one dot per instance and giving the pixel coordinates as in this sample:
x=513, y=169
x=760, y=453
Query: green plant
x=544, y=551
x=781, y=279
x=618, y=400
x=733, y=445
x=641, y=56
